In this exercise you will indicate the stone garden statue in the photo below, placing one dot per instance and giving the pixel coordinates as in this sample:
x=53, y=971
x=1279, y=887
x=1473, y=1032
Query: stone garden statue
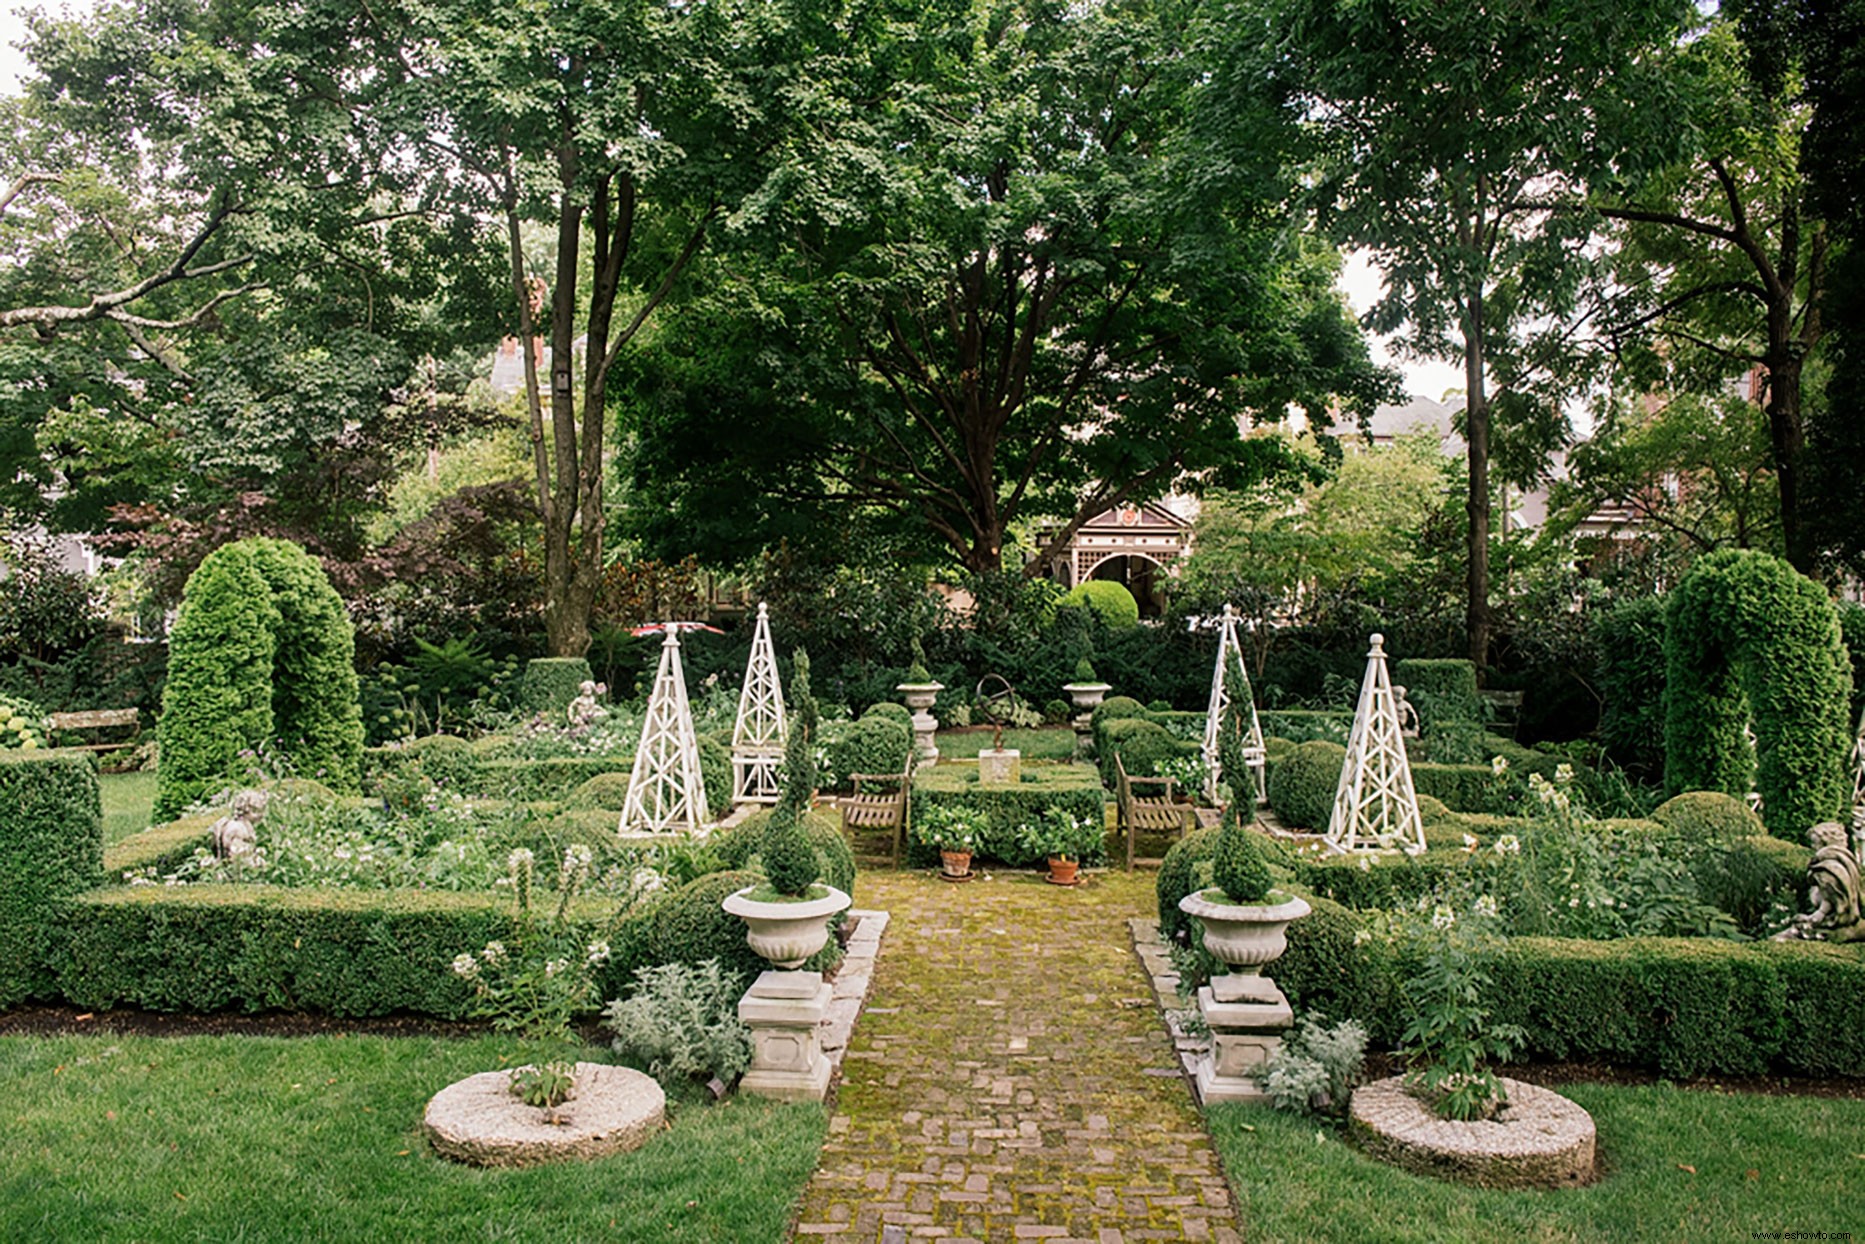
x=1833, y=889
x=584, y=711
x=235, y=834
x=1408, y=713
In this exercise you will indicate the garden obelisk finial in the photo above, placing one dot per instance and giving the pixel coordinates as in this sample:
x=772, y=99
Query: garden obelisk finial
x=759, y=733
x=1375, y=807
x=666, y=793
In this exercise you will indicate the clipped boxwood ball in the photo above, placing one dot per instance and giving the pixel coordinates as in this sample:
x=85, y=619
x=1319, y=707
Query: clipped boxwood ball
x=735, y=846
x=607, y=792
x=1143, y=746
x=1301, y=787
x=1111, y=602
x=887, y=710
x=871, y=745
x=1708, y=816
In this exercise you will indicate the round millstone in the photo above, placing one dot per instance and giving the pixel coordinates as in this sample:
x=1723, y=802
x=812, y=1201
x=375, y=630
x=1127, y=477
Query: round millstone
x=1539, y=1140
x=478, y=1120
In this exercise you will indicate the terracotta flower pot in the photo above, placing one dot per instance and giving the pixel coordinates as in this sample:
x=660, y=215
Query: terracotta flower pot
x=955, y=865
x=1063, y=871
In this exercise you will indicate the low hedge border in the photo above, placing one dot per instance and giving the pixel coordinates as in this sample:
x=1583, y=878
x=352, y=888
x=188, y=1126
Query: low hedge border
x=1684, y=1006
x=163, y=847
x=1076, y=788
x=51, y=840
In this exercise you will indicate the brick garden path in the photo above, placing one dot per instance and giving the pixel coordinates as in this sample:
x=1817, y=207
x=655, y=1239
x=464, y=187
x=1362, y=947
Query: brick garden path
x=1010, y=1078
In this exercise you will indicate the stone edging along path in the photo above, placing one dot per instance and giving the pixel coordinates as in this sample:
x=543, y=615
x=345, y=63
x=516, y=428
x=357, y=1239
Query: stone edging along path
x=1010, y=1079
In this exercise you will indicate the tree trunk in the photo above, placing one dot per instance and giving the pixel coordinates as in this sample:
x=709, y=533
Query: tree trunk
x=1476, y=505
x=1788, y=435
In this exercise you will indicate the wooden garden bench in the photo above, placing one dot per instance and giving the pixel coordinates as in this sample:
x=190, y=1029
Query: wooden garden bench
x=880, y=808
x=1165, y=812
x=97, y=719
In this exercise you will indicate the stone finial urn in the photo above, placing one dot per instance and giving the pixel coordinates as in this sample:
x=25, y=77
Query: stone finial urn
x=1245, y=936
x=919, y=697
x=1086, y=697
x=783, y=932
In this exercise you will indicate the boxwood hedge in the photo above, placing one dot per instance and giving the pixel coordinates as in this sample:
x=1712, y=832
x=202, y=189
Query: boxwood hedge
x=51, y=842
x=1076, y=788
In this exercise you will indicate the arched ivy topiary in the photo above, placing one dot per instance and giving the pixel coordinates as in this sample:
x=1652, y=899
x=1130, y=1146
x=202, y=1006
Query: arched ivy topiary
x=1746, y=636
x=262, y=653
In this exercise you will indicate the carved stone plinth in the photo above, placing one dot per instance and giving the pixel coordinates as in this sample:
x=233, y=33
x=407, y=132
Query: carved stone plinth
x=1247, y=1016
x=1000, y=766
x=784, y=1011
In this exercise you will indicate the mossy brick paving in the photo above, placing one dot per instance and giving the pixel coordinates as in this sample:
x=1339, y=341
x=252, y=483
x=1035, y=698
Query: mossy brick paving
x=1010, y=1079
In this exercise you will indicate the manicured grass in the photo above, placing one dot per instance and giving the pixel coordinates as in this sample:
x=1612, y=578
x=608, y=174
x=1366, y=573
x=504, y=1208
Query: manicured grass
x=318, y=1138
x=1050, y=743
x=127, y=800
x=1758, y=1164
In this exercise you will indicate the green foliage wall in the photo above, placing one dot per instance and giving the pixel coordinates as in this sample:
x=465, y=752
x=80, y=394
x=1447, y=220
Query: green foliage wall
x=262, y=654
x=1629, y=638
x=1442, y=689
x=1746, y=634
x=51, y=839
x=1141, y=745
x=550, y=683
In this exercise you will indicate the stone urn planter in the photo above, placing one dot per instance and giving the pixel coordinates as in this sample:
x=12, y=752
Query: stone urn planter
x=787, y=933
x=919, y=697
x=1086, y=697
x=1245, y=1011
x=1244, y=936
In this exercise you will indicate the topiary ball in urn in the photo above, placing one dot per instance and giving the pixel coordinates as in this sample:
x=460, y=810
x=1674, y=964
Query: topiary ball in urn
x=1244, y=920
x=788, y=918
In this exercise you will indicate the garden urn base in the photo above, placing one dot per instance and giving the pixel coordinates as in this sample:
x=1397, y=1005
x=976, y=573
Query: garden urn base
x=784, y=1011
x=478, y=1120
x=1001, y=766
x=1247, y=1016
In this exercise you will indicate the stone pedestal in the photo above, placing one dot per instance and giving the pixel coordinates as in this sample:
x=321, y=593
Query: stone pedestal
x=784, y=1011
x=1247, y=1016
x=1087, y=696
x=1002, y=766
x=919, y=697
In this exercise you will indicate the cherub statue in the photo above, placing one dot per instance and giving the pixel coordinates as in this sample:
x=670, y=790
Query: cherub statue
x=1408, y=713
x=1833, y=889
x=584, y=711
x=235, y=834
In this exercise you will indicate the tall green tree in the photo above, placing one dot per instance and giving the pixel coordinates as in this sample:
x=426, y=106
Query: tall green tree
x=1036, y=299
x=1724, y=269
x=1438, y=126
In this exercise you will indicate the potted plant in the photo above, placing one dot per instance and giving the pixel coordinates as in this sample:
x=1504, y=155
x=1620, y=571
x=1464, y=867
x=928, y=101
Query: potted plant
x=1244, y=919
x=1063, y=839
x=1086, y=692
x=787, y=918
x=956, y=832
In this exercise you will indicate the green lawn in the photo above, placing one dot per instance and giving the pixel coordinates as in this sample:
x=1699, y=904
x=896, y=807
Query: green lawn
x=1049, y=743
x=127, y=800
x=1757, y=1164
x=318, y=1138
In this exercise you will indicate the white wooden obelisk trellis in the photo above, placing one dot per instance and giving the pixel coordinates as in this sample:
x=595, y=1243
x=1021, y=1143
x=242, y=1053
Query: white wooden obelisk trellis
x=1375, y=807
x=758, y=735
x=666, y=793
x=1227, y=648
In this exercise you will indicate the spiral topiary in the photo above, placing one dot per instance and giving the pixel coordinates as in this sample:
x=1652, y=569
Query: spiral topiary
x=1234, y=734
x=1237, y=865
x=917, y=673
x=789, y=861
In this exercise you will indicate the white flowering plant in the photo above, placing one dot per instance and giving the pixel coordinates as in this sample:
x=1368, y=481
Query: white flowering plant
x=1450, y=1039
x=538, y=985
